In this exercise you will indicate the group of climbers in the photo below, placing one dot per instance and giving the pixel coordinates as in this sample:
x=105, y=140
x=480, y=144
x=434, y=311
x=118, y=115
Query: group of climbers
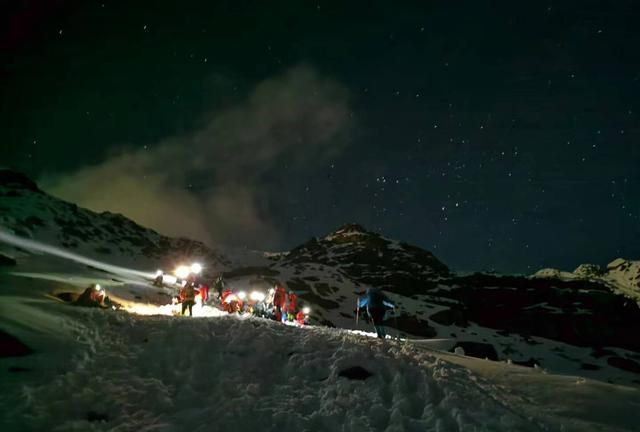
x=285, y=305
x=277, y=304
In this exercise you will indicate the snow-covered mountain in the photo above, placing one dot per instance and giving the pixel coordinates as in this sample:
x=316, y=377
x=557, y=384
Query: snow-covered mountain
x=621, y=275
x=573, y=323
x=66, y=368
x=576, y=326
x=28, y=212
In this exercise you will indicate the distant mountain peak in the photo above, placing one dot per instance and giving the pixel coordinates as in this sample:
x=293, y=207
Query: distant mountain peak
x=348, y=229
x=17, y=180
x=622, y=275
x=352, y=227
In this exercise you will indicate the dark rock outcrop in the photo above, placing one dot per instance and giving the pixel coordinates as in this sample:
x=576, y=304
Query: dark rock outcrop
x=11, y=346
x=6, y=261
x=17, y=181
x=355, y=373
x=477, y=349
x=579, y=312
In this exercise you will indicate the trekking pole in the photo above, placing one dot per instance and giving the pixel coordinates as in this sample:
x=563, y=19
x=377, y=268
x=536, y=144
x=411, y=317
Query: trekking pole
x=395, y=321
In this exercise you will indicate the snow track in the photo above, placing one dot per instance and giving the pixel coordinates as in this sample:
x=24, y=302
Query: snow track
x=160, y=373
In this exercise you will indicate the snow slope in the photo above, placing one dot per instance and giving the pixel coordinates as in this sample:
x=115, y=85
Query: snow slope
x=101, y=370
x=568, y=325
x=30, y=213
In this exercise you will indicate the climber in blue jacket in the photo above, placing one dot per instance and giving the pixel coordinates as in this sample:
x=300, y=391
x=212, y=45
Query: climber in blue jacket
x=377, y=304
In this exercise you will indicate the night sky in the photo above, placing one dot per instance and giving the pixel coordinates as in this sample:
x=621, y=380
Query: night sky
x=499, y=135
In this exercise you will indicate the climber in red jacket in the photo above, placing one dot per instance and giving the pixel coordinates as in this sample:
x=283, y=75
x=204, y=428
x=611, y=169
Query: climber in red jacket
x=292, y=306
x=279, y=300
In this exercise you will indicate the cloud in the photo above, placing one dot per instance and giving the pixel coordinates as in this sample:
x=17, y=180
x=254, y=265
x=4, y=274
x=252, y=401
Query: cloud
x=213, y=184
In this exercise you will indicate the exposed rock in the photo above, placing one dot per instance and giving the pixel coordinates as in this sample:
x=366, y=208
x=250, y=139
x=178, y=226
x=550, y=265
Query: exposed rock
x=68, y=297
x=588, y=271
x=15, y=180
x=624, y=364
x=355, y=373
x=578, y=312
x=94, y=416
x=618, y=264
x=589, y=366
x=11, y=346
x=477, y=349
x=19, y=369
x=527, y=363
x=6, y=261
x=412, y=325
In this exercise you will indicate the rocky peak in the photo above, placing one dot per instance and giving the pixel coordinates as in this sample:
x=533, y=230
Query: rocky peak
x=619, y=264
x=17, y=180
x=588, y=271
x=348, y=230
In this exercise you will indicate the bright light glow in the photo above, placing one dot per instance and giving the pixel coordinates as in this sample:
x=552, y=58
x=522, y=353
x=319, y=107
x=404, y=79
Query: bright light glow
x=169, y=279
x=196, y=268
x=242, y=295
x=306, y=310
x=182, y=272
x=159, y=273
x=62, y=253
x=98, y=287
x=230, y=298
x=257, y=296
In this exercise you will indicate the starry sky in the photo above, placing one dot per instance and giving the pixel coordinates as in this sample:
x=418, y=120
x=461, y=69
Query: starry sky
x=499, y=135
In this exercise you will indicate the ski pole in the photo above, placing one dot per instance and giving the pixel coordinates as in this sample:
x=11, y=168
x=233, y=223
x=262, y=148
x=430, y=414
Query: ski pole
x=395, y=320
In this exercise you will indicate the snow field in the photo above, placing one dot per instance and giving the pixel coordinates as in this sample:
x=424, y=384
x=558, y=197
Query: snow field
x=160, y=373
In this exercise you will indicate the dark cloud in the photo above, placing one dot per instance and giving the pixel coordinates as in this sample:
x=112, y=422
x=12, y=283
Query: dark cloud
x=214, y=183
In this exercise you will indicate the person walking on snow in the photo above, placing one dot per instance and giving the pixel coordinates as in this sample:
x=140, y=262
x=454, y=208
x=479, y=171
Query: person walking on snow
x=188, y=296
x=279, y=299
x=219, y=286
x=284, y=314
x=204, y=293
x=376, y=303
x=292, y=307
